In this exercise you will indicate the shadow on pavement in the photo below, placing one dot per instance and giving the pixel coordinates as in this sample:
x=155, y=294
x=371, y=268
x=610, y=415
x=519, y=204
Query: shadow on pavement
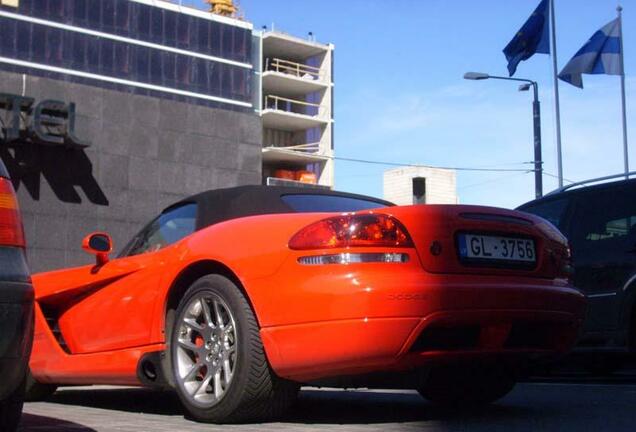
x=313, y=406
x=126, y=399
x=572, y=372
x=530, y=407
x=44, y=424
x=353, y=407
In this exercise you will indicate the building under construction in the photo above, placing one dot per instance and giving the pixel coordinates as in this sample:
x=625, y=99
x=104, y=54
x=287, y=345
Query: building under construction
x=112, y=109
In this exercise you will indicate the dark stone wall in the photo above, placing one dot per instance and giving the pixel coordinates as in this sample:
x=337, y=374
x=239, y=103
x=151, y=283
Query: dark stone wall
x=145, y=154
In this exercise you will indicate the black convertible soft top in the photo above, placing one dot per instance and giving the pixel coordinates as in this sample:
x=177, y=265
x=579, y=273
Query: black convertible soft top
x=220, y=205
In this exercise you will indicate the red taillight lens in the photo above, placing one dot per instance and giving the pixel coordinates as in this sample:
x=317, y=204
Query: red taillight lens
x=11, y=232
x=370, y=230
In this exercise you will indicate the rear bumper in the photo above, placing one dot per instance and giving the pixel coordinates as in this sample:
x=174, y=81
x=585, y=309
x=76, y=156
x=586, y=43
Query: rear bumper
x=16, y=333
x=455, y=320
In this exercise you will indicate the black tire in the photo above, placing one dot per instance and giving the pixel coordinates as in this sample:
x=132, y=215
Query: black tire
x=254, y=393
x=467, y=386
x=11, y=410
x=35, y=391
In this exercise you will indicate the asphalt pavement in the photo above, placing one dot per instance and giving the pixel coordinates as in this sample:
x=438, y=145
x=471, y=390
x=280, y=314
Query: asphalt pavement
x=574, y=403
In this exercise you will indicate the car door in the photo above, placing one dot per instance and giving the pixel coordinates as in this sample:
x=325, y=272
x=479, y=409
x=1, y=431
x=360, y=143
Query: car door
x=603, y=241
x=110, y=307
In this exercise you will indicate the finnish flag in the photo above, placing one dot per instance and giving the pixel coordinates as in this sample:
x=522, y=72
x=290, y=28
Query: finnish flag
x=600, y=55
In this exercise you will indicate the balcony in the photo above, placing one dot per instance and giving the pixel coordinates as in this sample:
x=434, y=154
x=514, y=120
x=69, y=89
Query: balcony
x=292, y=115
x=291, y=78
x=296, y=154
x=283, y=45
x=273, y=181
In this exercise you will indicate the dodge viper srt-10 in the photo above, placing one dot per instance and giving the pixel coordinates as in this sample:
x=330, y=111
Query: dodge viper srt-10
x=235, y=297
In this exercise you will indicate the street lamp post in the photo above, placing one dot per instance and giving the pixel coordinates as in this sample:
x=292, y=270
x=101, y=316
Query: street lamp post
x=536, y=116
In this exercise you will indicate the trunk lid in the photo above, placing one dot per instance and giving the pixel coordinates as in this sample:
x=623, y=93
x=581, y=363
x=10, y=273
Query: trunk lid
x=445, y=236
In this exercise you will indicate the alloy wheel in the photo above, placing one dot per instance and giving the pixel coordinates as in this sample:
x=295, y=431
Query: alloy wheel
x=207, y=349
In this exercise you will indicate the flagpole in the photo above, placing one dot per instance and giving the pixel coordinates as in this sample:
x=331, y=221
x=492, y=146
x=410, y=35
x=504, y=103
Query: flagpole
x=619, y=9
x=557, y=109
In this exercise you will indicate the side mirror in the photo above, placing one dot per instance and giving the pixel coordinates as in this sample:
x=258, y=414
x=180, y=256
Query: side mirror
x=99, y=244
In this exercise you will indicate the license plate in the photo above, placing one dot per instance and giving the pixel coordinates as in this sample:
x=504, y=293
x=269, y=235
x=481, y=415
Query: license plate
x=495, y=248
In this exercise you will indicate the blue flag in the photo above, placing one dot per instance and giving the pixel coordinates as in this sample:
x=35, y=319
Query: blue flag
x=600, y=55
x=533, y=37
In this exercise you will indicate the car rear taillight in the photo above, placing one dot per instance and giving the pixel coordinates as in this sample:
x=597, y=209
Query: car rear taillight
x=565, y=269
x=367, y=230
x=11, y=231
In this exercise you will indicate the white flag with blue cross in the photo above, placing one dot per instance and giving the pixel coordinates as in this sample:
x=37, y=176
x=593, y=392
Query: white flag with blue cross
x=600, y=55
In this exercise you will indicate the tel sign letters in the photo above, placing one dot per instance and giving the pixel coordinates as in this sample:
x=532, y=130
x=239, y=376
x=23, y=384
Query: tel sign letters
x=48, y=122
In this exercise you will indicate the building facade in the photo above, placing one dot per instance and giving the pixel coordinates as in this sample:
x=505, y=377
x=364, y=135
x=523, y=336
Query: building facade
x=295, y=81
x=111, y=110
x=420, y=185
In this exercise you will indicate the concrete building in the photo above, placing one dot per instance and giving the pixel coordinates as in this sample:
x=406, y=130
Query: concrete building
x=295, y=82
x=420, y=185
x=110, y=110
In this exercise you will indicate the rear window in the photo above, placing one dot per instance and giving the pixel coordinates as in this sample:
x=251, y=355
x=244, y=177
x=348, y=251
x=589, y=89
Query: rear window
x=309, y=203
x=552, y=210
x=606, y=221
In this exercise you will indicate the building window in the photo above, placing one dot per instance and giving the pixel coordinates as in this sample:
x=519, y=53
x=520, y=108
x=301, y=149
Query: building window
x=79, y=48
x=184, y=72
x=169, y=66
x=94, y=20
x=156, y=25
x=155, y=66
x=419, y=190
x=53, y=46
x=122, y=17
x=55, y=10
x=142, y=21
x=92, y=54
x=146, y=23
x=8, y=37
x=185, y=25
x=38, y=43
x=80, y=13
x=142, y=55
x=122, y=61
x=106, y=57
x=203, y=36
x=216, y=39
x=169, y=28
x=23, y=39
x=108, y=16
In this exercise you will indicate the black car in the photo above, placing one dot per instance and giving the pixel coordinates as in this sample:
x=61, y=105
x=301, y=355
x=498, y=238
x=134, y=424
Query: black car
x=600, y=223
x=16, y=307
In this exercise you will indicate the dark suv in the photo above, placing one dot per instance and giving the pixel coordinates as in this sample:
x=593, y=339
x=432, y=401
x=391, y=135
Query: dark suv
x=16, y=307
x=600, y=224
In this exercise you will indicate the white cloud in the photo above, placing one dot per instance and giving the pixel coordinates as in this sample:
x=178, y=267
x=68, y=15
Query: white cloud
x=473, y=125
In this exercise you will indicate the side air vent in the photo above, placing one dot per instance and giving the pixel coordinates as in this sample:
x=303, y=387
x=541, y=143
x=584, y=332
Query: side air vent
x=52, y=322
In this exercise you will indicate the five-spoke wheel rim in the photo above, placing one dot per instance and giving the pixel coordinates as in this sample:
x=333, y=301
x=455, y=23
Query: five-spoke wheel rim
x=206, y=349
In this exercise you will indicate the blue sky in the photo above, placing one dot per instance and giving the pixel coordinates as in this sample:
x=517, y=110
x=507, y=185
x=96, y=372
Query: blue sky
x=400, y=96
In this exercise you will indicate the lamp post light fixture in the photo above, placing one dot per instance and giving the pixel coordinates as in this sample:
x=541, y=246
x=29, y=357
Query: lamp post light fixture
x=536, y=116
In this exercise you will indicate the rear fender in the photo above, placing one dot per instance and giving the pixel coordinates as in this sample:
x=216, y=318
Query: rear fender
x=243, y=250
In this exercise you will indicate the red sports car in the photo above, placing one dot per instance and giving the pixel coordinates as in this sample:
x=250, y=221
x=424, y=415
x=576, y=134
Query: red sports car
x=235, y=297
